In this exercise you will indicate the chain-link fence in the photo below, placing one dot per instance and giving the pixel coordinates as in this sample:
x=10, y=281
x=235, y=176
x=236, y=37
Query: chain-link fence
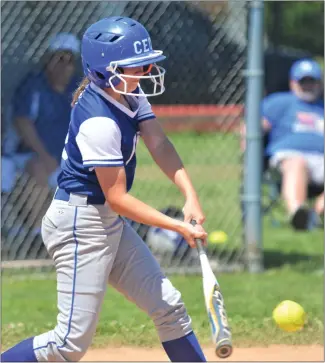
x=205, y=45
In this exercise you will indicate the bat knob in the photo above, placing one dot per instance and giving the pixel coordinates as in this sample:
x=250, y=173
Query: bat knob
x=224, y=350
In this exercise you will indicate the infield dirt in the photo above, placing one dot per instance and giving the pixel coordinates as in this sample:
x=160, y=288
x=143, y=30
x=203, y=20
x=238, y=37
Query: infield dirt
x=272, y=353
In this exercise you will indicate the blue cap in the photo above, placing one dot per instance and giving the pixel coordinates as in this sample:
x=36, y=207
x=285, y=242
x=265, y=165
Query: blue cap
x=305, y=68
x=64, y=41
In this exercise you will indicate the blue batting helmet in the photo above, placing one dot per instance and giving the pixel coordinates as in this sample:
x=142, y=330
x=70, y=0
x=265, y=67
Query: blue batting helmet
x=115, y=43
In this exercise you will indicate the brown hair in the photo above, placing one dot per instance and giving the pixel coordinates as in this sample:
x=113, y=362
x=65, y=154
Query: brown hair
x=82, y=86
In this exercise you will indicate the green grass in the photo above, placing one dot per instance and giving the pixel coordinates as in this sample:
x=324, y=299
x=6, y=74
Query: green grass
x=29, y=308
x=294, y=264
x=213, y=164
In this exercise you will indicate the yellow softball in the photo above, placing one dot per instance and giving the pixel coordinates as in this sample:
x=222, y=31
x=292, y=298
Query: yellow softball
x=289, y=316
x=217, y=237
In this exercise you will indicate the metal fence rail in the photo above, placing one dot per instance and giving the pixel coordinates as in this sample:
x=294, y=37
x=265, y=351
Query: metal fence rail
x=205, y=44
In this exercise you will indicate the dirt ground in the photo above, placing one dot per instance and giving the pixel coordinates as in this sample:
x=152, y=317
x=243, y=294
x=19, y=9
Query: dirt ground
x=272, y=353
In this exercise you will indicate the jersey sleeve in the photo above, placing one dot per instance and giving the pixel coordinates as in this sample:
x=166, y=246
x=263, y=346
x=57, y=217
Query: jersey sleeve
x=273, y=107
x=26, y=101
x=99, y=142
x=145, y=111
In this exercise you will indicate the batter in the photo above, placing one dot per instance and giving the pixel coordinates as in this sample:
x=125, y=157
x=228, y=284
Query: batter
x=84, y=230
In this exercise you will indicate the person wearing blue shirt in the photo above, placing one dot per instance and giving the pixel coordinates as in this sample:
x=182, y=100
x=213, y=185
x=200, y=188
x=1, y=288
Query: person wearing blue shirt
x=295, y=122
x=85, y=230
x=40, y=114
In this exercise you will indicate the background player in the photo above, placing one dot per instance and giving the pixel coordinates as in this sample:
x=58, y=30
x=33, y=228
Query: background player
x=82, y=230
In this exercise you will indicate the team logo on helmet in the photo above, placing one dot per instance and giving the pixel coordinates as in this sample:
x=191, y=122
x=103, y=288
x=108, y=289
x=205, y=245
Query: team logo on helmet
x=143, y=46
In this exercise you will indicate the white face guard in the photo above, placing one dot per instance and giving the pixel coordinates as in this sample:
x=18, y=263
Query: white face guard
x=157, y=79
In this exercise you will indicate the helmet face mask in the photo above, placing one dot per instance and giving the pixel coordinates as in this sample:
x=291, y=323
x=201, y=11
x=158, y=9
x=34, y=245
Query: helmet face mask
x=116, y=43
x=157, y=80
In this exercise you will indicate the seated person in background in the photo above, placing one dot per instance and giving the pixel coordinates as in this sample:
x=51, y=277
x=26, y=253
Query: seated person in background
x=40, y=113
x=295, y=122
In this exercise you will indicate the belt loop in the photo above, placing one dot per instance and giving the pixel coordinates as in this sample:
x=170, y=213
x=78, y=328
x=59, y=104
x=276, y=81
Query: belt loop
x=78, y=200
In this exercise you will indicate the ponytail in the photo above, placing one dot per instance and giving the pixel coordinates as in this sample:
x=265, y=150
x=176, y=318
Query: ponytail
x=82, y=86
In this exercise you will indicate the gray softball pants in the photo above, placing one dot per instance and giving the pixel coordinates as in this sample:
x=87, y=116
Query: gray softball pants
x=92, y=246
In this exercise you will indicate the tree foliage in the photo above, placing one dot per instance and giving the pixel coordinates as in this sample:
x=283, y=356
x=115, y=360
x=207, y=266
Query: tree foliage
x=296, y=24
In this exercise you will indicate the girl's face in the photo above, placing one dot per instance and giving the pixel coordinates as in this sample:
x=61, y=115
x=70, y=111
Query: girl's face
x=131, y=77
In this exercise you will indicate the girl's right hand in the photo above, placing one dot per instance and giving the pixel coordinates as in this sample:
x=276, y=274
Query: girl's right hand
x=190, y=233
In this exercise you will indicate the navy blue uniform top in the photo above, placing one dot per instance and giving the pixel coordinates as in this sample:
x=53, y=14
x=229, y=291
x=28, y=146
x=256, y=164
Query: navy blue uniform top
x=102, y=133
x=47, y=109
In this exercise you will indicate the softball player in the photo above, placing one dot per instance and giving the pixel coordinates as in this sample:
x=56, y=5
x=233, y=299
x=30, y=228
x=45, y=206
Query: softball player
x=90, y=243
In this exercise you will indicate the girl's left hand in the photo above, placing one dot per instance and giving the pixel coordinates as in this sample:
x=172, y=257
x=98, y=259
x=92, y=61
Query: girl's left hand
x=193, y=210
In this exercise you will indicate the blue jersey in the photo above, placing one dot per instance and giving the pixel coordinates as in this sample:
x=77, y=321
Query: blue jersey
x=102, y=133
x=49, y=110
x=296, y=124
